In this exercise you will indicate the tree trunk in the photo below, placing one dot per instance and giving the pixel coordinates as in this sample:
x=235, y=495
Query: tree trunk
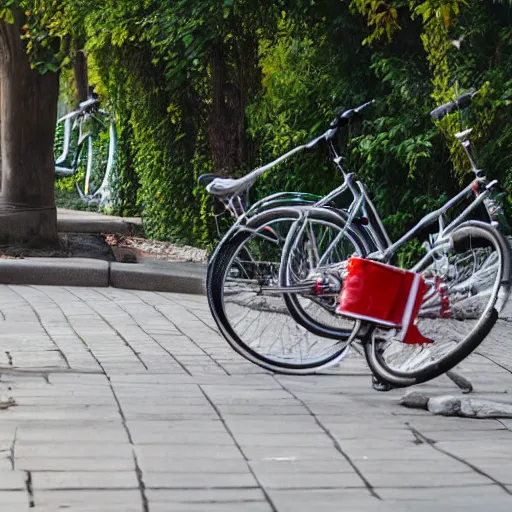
x=81, y=79
x=28, y=112
x=223, y=133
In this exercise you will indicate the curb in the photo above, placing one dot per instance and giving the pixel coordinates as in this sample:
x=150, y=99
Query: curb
x=96, y=226
x=75, y=221
x=155, y=276
x=158, y=278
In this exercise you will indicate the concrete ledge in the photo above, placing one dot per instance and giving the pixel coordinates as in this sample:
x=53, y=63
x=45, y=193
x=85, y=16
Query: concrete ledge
x=162, y=277
x=95, y=226
x=55, y=271
x=158, y=276
x=71, y=221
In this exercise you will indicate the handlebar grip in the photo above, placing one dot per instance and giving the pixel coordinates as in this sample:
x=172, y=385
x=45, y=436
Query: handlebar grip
x=443, y=110
x=463, y=101
x=344, y=117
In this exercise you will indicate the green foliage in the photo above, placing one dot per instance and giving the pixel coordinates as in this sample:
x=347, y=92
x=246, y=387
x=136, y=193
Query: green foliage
x=69, y=199
x=296, y=102
x=199, y=86
x=45, y=27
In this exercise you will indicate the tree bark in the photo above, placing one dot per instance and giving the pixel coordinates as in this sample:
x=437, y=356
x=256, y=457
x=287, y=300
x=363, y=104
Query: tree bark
x=28, y=112
x=81, y=79
x=224, y=136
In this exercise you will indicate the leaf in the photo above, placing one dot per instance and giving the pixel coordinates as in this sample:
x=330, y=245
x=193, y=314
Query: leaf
x=7, y=15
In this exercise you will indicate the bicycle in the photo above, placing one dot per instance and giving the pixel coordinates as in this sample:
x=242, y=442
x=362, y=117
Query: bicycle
x=79, y=133
x=257, y=238
x=366, y=229
x=464, y=269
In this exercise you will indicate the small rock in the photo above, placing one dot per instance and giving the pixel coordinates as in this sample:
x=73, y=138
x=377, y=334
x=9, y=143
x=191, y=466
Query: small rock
x=469, y=407
x=414, y=400
x=485, y=409
x=6, y=402
x=444, y=405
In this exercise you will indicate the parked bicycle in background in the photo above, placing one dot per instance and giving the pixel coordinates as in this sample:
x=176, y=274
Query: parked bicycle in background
x=86, y=142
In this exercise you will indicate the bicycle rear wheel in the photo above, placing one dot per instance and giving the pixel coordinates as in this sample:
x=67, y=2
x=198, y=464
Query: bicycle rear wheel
x=252, y=317
x=468, y=278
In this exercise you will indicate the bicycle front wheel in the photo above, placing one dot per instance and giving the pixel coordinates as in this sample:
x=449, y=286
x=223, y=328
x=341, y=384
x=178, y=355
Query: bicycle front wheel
x=252, y=317
x=468, y=278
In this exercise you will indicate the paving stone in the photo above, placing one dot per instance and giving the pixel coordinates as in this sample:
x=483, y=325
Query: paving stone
x=240, y=496
x=73, y=464
x=102, y=499
x=309, y=480
x=485, y=494
x=253, y=506
x=55, y=413
x=84, y=480
x=12, y=481
x=286, y=467
x=269, y=425
x=196, y=451
x=98, y=433
x=199, y=480
x=179, y=437
x=70, y=434
x=320, y=440
x=12, y=498
x=444, y=478
x=290, y=453
x=74, y=450
x=321, y=499
x=198, y=465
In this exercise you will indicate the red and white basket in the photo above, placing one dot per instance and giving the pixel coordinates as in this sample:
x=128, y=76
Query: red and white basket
x=385, y=295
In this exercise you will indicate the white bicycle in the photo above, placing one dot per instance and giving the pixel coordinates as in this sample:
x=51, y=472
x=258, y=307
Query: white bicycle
x=88, y=137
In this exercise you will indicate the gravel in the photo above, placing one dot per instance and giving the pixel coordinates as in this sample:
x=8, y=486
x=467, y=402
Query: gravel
x=154, y=249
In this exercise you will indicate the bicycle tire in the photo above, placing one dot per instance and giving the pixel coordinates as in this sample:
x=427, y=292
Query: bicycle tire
x=223, y=305
x=492, y=267
x=354, y=241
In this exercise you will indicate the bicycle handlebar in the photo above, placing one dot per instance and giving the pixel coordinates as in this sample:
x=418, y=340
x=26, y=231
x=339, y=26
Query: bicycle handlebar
x=463, y=101
x=340, y=120
x=84, y=106
x=344, y=118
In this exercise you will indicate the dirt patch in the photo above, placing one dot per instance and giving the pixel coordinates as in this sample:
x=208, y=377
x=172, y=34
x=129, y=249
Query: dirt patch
x=71, y=245
x=126, y=249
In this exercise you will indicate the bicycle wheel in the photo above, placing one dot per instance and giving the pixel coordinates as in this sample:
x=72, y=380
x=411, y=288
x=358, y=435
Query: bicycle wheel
x=468, y=278
x=252, y=317
x=318, y=246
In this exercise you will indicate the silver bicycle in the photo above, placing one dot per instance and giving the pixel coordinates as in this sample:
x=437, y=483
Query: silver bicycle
x=243, y=271
x=280, y=313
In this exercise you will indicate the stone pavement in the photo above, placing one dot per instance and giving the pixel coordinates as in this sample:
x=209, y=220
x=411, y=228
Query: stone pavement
x=130, y=401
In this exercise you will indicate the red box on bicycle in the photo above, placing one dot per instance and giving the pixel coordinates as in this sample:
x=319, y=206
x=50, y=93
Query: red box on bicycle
x=383, y=294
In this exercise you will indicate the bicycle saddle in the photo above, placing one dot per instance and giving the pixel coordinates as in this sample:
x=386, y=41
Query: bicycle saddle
x=229, y=187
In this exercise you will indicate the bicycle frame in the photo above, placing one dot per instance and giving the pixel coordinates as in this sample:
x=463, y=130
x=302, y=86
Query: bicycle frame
x=361, y=206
